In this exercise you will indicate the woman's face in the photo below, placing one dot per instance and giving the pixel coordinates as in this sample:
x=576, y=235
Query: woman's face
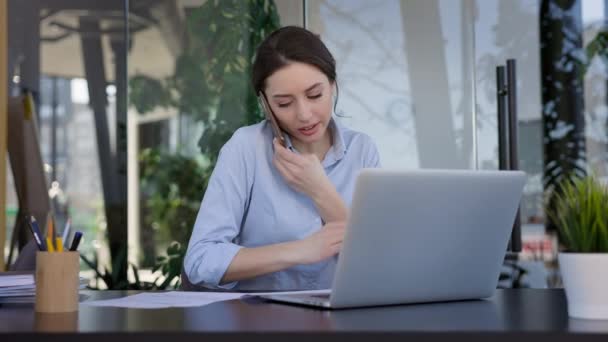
x=300, y=96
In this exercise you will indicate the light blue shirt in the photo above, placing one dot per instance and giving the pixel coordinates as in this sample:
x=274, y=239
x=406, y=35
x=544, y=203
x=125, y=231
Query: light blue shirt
x=248, y=204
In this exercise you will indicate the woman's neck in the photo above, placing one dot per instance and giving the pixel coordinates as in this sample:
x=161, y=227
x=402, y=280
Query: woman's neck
x=318, y=148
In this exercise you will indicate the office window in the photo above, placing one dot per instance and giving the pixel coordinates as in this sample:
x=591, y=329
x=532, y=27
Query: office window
x=510, y=30
x=71, y=57
x=404, y=70
x=133, y=104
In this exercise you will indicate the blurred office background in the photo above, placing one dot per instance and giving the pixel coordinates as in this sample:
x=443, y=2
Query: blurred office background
x=134, y=98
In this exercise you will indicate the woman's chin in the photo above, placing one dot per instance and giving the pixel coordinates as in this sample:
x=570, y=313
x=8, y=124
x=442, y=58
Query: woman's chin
x=310, y=139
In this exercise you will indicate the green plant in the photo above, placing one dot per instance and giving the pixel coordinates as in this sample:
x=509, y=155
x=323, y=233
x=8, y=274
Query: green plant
x=171, y=185
x=580, y=212
x=169, y=266
x=211, y=83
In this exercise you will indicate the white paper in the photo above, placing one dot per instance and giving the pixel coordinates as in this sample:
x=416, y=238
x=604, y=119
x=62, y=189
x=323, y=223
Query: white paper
x=16, y=280
x=23, y=286
x=18, y=285
x=157, y=300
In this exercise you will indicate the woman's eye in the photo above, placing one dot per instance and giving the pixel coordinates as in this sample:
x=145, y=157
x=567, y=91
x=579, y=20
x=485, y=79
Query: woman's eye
x=283, y=105
x=316, y=96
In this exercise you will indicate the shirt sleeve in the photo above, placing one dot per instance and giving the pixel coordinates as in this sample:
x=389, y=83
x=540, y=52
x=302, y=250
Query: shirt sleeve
x=212, y=244
x=372, y=159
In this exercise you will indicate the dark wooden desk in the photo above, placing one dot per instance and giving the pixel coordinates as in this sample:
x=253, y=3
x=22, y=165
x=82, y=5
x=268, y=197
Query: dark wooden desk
x=526, y=314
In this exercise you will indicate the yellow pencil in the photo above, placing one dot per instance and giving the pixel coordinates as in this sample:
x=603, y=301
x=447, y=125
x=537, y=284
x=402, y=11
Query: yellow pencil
x=51, y=231
x=49, y=244
x=59, y=244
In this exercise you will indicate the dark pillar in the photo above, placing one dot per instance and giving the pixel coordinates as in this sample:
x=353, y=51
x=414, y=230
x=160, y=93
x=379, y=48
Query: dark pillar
x=561, y=31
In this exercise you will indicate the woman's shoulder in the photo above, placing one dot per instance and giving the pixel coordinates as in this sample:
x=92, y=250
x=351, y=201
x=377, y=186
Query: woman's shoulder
x=360, y=146
x=354, y=138
x=244, y=138
x=240, y=150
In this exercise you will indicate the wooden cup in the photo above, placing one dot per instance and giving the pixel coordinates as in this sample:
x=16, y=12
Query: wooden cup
x=57, y=281
x=56, y=322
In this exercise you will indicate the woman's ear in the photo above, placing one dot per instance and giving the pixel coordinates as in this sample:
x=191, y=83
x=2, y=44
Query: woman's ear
x=333, y=88
x=334, y=95
x=333, y=91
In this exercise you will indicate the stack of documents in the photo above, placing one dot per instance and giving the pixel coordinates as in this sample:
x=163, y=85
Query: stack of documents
x=20, y=287
x=17, y=287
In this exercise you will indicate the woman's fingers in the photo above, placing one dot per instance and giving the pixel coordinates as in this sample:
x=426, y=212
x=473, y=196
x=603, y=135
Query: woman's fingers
x=282, y=170
x=335, y=234
x=290, y=172
x=286, y=171
x=337, y=225
x=286, y=155
x=335, y=249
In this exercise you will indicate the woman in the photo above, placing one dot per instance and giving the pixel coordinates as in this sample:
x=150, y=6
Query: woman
x=273, y=217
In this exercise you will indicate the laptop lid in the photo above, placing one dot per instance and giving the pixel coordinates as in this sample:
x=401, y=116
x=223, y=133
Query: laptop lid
x=425, y=235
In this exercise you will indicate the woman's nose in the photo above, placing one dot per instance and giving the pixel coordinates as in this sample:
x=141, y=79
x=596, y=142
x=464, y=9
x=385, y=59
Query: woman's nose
x=304, y=112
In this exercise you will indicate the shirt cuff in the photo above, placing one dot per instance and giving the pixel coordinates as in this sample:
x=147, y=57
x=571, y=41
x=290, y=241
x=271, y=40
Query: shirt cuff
x=229, y=252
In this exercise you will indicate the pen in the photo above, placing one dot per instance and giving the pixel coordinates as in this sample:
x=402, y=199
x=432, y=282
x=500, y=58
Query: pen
x=76, y=241
x=66, y=233
x=36, y=231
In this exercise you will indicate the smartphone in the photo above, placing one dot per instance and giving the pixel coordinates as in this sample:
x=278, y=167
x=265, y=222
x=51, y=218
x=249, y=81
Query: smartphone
x=276, y=130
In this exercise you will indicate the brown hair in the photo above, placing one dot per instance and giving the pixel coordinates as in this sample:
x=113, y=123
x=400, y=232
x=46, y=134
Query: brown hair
x=291, y=44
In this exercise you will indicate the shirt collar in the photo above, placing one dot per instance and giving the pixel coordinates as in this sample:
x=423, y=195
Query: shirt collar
x=336, y=151
x=338, y=148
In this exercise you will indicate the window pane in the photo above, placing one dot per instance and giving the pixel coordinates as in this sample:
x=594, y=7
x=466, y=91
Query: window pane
x=504, y=30
x=70, y=60
x=404, y=75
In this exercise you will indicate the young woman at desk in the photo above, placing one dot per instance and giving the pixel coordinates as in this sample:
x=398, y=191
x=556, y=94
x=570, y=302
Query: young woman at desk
x=273, y=217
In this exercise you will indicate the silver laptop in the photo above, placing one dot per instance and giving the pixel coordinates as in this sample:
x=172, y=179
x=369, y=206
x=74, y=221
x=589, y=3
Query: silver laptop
x=422, y=236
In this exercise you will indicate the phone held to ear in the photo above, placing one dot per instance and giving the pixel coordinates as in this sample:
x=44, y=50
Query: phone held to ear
x=276, y=130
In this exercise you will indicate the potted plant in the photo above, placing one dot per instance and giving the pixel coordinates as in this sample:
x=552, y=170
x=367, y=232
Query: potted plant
x=580, y=213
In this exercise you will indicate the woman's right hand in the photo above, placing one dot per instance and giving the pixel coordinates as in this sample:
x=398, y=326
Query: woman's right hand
x=323, y=244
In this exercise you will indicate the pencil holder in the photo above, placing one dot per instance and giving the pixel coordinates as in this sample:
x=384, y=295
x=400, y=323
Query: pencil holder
x=57, y=281
x=56, y=322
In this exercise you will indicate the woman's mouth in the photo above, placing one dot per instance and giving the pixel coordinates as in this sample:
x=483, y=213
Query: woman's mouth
x=309, y=130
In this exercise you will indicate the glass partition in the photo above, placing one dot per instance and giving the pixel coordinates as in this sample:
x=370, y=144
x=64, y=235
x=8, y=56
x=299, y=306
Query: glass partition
x=71, y=57
x=404, y=71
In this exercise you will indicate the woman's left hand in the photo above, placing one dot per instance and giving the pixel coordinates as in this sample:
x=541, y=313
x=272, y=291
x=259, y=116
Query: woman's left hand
x=303, y=172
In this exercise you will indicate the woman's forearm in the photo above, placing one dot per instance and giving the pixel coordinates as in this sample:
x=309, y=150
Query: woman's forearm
x=330, y=205
x=253, y=262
